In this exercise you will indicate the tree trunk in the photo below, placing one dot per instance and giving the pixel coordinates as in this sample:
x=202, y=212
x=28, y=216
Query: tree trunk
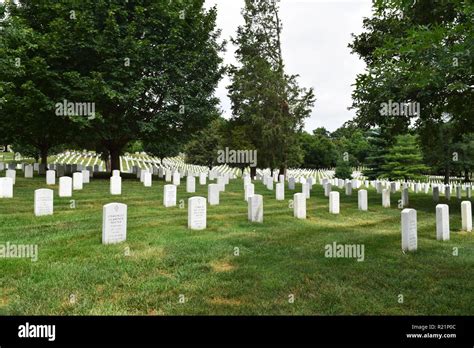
x=253, y=172
x=466, y=176
x=114, y=159
x=44, y=156
x=283, y=170
x=446, y=175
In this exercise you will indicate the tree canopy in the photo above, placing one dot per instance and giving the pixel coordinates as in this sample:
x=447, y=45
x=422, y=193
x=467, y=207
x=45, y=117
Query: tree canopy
x=149, y=68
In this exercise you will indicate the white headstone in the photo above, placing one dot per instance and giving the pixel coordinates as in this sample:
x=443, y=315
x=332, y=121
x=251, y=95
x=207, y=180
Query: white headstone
x=43, y=202
x=249, y=191
x=280, y=191
x=213, y=194
x=169, y=196
x=147, y=179
x=291, y=184
x=447, y=192
x=362, y=200
x=442, y=222
x=197, y=213
x=116, y=172
x=334, y=202
x=115, y=185
x=86, y=176
x=6, y=187
x=221, y=183
x=28, y=171
x=247, y=179
x=60, y=170
x=327, y=189
x=436, y=193
x=354, y=184
x=305, y=189
x=378, y=186
x=10, y=173
x=340, y=183
x=417, y=187
x=405, y=201
x=202, y=178
x=458, y=192
x=255, y=208
x=466, y=216
x=269, y=184
x=114, y=223
x=168, y=175
x=393, y=187
x=409, y=230
x=349, y=189
x=142, y=174
x=176, y=178
x=65, y=186
x=386, y=198
x=190, y=184
x=299, y=205
x=77, y=181
x=50, y=177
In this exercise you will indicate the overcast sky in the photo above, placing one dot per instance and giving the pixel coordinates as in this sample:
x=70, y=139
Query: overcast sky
x=315, y=38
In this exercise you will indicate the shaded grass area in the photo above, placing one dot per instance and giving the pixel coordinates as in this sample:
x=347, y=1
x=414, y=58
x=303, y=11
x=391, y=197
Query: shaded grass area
x=233, y=267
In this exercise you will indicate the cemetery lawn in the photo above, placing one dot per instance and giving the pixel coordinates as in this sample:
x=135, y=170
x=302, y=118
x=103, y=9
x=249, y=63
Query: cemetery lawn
x=281, y=257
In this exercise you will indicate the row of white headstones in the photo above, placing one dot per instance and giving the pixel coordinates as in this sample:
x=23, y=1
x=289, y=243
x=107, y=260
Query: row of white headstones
x=197, y=207
x=114, y=218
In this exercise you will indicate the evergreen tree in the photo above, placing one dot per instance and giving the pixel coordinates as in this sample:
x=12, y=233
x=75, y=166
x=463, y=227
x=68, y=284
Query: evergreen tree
x=376, y=159
x=404, y=159
x=262, y=95
x=202, y=149
x=343, y=170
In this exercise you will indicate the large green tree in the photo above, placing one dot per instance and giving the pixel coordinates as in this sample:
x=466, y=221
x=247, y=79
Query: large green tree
x=319, y=150
x=404, y=159
x=351, y=144
x=32, y=80
x=203, y=147
x=263, y=96
x=150, y=68
x=417, y=52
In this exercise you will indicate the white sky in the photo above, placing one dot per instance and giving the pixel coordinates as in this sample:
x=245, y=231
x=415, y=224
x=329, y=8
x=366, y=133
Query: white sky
x=315, y=38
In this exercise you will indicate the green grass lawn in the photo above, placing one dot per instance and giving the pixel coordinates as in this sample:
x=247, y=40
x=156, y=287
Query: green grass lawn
x=281, y=257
